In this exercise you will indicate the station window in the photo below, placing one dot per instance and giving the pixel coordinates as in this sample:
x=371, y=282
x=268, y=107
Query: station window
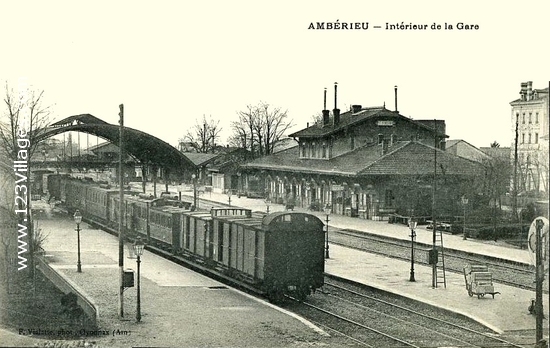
x=523, y=138
x=313, y=150
x=530, y=117
x=303, y=150
x=529, y=138
x=537, y=118
x=523, y=118
x=324, y=150
x=380, y=138
x=536, y=138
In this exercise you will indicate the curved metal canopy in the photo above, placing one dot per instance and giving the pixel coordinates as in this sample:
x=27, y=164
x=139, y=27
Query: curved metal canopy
x=144, y=147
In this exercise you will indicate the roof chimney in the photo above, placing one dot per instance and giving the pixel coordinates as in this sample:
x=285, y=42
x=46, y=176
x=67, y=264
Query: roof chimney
x=326, y=116
x=356, y=108
x=523, y=92
x=336, y=111
x=529, y=90
x=395, y=88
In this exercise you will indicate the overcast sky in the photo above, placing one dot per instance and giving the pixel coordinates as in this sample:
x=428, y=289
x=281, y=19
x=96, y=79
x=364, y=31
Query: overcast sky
x=170, y=62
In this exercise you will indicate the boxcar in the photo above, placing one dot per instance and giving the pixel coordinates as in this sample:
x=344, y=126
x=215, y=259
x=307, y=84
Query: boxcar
x=277, y=254
x=294, y=252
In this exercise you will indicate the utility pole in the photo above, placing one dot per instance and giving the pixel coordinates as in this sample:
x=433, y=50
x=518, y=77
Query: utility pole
x=434, y=250
x=539, y=279
x=120, y=216
x=515, y=188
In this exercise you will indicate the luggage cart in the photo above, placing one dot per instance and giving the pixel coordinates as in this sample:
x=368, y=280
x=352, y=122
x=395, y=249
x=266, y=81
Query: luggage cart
x=479, y=281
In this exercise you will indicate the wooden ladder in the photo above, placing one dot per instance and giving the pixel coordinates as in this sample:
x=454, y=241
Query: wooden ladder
x=440, y=266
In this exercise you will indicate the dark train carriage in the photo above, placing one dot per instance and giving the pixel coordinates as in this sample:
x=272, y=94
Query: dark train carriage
x=97, y=202
x=137, y=208
x=53, y=184
x=165, y=225
x=75, y=195
x=294, y=253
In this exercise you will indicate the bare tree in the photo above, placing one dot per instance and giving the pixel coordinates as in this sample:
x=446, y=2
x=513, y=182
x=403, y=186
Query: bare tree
x=25, y=117
x=204, y=135
x=22, y=121
x=259, y=128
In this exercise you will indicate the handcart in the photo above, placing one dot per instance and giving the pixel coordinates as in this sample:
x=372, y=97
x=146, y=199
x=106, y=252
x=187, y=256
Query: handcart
x=479, y=281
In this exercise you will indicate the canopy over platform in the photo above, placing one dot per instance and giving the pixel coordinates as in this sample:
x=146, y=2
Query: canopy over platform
x=146, y=148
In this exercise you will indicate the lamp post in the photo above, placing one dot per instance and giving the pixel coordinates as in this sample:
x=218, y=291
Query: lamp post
x=412, y=226
x=464, y=204
x=328, y=209
x=78, y=219
x=194, y=177
x=138, y=250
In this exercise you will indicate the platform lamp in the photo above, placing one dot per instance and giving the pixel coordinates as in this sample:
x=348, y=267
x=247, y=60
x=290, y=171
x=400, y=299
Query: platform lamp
x=78, y=219
x=412, y=226
x=328, y=210
x=138, y=250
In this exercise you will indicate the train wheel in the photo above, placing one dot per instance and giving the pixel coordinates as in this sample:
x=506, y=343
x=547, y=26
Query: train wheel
x=302, y=293
x=276, y=296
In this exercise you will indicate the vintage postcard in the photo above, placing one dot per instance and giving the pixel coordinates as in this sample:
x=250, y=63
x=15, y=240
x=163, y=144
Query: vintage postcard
x=274, y=174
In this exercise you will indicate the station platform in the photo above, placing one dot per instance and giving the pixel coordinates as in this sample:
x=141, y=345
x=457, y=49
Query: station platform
x=179, y=308
x=508, y=311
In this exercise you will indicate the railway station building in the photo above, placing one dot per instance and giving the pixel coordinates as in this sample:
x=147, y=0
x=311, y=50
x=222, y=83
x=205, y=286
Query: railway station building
x=367, y=162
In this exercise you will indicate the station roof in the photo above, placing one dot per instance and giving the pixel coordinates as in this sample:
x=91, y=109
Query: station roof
x=350, y=119
x=142, y=146
x=403, y=158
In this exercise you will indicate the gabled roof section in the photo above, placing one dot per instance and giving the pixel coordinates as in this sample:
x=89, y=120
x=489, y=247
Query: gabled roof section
x=199, y=158
x=348, y=119
x=402, y=158
x=415, y=158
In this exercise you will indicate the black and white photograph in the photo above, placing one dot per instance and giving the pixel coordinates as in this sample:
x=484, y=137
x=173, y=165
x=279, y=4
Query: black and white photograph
x=274, y=174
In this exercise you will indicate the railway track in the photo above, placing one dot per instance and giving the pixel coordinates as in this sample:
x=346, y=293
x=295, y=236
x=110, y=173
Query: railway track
x=373, y=318
x=504, y=271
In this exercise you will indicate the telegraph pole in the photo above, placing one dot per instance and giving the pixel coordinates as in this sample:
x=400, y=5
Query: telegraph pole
x=515, y=188
x=539, y=279
x=434, y=250
x=120, y=216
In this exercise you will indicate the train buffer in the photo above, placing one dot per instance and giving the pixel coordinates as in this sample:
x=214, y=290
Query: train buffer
x=479, y=281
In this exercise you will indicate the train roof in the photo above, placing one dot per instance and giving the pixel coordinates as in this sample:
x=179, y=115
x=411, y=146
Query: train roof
x=280, y=216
